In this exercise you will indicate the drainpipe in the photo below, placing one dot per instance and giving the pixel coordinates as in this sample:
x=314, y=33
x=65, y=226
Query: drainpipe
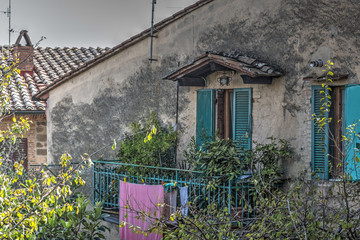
x=177, y=119
x=177, y=103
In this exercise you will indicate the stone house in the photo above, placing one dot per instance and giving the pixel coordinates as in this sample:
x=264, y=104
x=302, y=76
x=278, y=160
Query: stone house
x=39, y=67
x=242, y=67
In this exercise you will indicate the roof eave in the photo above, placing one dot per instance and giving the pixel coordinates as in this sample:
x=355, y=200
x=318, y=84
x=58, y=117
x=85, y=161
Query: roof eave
x=231, y=64
x=27, y=112
x=127, y=43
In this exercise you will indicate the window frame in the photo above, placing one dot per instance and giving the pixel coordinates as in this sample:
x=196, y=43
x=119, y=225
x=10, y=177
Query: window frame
x=326, y=144
x=241, y=117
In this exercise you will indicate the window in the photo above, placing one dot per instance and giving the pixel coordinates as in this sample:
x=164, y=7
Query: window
x=332, y=157
x=16, y=151
x=229, y=111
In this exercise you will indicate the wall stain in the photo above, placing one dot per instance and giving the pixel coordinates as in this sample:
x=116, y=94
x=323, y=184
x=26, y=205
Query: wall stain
x=91, y=126
x=282, y=40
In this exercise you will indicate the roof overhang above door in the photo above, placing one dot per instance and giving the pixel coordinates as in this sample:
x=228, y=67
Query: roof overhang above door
x=251, y=70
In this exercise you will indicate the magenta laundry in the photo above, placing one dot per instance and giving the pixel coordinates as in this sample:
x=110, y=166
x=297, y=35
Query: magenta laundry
x=134, y=198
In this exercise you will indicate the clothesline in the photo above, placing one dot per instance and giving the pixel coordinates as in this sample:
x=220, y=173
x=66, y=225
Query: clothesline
x=171, y=184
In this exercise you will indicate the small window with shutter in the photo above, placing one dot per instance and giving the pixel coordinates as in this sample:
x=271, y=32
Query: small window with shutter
x=229, y=110
x=331, y=156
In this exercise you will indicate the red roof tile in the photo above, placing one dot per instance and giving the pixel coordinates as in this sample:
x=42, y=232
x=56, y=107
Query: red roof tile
x=50, y=64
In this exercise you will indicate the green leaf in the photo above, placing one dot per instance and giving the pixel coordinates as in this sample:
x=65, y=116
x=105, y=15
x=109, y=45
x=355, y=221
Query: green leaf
x=114, y=145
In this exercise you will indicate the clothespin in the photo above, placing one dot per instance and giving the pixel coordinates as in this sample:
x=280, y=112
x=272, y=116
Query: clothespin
x=143, y=180
x=162, y=182
x=185, y=185
x=175, y=184
x=125, y=180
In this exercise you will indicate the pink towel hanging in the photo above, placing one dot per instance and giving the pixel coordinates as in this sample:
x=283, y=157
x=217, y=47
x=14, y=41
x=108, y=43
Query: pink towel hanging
x=134, y=198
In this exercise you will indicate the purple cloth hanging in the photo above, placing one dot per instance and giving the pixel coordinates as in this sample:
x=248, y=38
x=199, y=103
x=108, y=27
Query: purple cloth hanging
x=134, y=198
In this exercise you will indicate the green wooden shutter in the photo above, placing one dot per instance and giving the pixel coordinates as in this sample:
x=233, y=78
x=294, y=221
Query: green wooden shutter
x=242, y=117
x=205, y=115
x=352, y=116
x=319, y=138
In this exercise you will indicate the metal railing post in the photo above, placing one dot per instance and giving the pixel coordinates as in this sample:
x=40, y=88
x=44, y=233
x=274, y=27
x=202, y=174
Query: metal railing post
x=229, y=196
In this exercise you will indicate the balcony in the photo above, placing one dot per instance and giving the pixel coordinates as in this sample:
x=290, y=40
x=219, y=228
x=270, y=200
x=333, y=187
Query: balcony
x=235, y=195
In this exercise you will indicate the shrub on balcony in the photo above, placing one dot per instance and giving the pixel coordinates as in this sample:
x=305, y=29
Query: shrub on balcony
x=159, y=152
x=216, y=158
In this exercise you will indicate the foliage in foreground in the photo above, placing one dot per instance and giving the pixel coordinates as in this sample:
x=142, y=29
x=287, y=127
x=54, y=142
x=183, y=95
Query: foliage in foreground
x=44, y=203
x=209, y=223
x=46, y=206
x=309, y=210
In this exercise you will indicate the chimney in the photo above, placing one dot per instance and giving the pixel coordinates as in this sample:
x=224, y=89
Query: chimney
x=24, y=51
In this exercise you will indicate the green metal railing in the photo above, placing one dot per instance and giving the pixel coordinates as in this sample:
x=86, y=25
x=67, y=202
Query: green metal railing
x=232, y=194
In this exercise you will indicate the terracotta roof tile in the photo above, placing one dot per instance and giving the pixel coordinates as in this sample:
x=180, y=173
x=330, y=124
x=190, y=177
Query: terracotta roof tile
x=50, y=64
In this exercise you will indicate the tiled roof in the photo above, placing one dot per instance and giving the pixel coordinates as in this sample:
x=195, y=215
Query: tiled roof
x=127, y=43
x=50, y=64
x=234, y=61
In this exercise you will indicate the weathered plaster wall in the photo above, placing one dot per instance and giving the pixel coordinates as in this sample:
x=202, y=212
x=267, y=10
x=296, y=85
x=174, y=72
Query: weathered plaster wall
x=89, y=111
x=36, y=137
x=98, y=105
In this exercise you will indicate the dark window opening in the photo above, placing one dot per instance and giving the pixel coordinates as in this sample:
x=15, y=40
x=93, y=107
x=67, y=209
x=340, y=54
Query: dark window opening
x=16, y=152
x=225, y=109
x=336, y=128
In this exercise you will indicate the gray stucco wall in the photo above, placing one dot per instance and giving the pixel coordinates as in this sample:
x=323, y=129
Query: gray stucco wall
x=97, y=106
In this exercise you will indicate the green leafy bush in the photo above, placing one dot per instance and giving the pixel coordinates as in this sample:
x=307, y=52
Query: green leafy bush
x=216, y=158
x=74, y=222
x=265, y=160
x=160, y=151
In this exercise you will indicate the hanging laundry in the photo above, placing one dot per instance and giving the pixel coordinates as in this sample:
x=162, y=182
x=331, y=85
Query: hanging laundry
x=170, y=202
x=134, y=198
x=184, y=200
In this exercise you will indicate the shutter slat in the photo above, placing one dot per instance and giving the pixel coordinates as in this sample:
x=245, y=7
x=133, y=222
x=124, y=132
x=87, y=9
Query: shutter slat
x=242, y=118
x=205, y=114
x=320, y=159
